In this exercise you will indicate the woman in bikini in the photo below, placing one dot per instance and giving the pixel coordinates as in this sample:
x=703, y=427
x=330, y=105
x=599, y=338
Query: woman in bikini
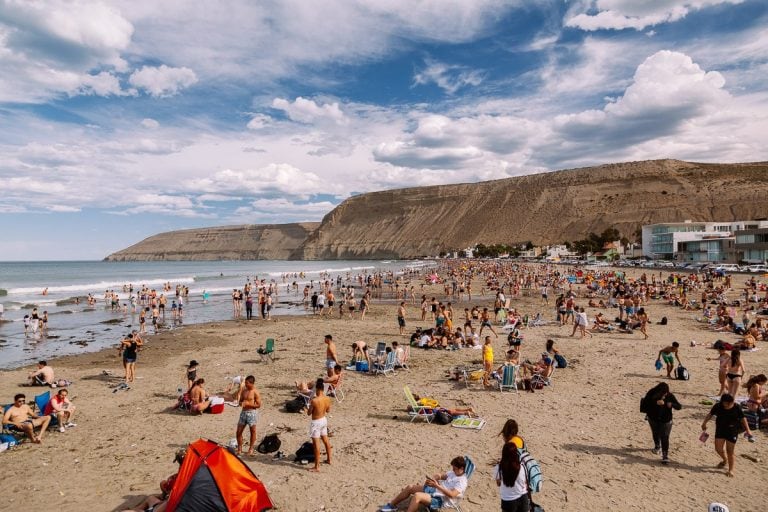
x=723, y=361
x=735, y=373
x=757, y=395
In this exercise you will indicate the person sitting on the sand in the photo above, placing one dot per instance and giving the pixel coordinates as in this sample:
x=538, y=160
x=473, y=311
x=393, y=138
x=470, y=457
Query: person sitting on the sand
x=755, y=391
x=158, y=502
x=200, y=401
x=20, y=417
x=307, y=388
x=437, y=490
x=61, y=407
x=543, y=367
x=43, y=376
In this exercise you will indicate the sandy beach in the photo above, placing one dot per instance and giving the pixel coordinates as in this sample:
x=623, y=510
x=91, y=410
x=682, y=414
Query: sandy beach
x=586, y=430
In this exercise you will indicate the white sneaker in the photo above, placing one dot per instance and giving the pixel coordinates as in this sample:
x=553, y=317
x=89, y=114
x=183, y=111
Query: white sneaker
x=70, y=425
x=387, y=508
x=62, y=429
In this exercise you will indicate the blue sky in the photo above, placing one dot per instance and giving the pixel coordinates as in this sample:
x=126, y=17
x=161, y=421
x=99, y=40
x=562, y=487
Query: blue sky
x=122, y=119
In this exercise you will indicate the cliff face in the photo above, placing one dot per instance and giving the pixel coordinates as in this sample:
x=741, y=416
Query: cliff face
x=543, y=208
x=249, y=242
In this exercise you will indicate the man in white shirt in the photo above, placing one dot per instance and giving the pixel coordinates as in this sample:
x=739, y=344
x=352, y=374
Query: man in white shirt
x=437, y=491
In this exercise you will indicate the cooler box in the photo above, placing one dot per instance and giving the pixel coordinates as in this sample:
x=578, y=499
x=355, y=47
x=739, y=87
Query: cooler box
x=217, y=409
x=361, y=366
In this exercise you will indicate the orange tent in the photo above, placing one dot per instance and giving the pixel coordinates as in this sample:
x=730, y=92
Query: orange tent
x=213, y=479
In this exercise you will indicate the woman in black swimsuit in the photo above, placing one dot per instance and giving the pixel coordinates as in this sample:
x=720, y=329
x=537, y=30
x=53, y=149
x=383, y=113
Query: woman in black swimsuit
x=735, y=373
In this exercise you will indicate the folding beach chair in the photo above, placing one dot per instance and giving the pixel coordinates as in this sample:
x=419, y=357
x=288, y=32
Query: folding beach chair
x=455, y=504
x=268, y=351
x=538, y=321
x=547, y=381
x=387, y=367
x=406, y=356
x=335, y=390
x=417, y=411
x=508, y=378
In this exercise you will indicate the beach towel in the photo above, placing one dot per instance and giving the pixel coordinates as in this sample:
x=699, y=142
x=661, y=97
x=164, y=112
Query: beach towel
x=468, y=423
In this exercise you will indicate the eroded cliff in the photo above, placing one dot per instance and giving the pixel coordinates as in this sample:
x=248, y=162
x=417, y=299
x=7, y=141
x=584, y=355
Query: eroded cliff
x=543, y=208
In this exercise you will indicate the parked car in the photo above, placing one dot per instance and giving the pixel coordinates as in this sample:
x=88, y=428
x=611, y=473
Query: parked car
x=759, y=269
x=728, y=267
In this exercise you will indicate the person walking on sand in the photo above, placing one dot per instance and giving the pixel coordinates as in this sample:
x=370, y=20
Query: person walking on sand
x=735, y=373
x=319, y=406
x=511, y=480
x=401, y=317
x=331, y=359
x=129, y=347
x=250, y=401
x=728, y=419
x=642, y=316
x=487, y=361
x=668, y=354
x=485, y=321
x=657, y=406
x=723, y=360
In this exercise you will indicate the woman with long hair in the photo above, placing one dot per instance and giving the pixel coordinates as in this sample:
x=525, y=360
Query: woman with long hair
x=657, y=405
x=755, y=392
x=509, y=433
x=512, y=482
x=735, y=373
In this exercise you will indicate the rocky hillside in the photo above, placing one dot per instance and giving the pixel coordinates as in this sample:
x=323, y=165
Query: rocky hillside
x=543, y=208
x=249, y=242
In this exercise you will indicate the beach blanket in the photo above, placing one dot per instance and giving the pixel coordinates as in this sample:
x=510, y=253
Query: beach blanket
x=739, y=400
x=468, y=423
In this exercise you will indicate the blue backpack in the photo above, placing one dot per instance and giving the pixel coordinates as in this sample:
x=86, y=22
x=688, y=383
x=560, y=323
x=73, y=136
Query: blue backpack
x=532, y=470
x=8, y=438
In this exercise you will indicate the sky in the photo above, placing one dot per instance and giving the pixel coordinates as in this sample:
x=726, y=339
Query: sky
x=123, y=119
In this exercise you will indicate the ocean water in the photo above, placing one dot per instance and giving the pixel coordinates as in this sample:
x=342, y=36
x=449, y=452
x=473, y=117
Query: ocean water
x=77, y=328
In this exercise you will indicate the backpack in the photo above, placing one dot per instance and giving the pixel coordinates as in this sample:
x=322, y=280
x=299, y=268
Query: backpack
x=306, y=452
x=442, y=417
x=270, y=443
x=561, y=361
x=681, y=373
x=532, y=470
x=644, y=405
x=294, y=405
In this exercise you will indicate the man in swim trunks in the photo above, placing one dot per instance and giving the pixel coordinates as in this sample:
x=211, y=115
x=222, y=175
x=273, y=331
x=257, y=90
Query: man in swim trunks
x=401, y=317
x=43, y=376
x=330, y=355
x=668, y=354
x=318, y=427
x=20, y=417
x=250, y=401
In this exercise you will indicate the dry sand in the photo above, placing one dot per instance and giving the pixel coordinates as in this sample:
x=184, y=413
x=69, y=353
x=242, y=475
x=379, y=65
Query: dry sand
x=586, y=431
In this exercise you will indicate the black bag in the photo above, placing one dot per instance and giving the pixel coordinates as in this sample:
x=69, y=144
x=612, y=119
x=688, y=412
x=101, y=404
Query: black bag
x=305, y=452
x=663, y=321
x=295, y=405
x=681, y=373
x=442, y=417
x=270, y=443
x=644, y=405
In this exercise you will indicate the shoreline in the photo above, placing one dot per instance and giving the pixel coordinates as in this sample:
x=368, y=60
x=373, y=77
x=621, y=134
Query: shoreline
x=585, y=431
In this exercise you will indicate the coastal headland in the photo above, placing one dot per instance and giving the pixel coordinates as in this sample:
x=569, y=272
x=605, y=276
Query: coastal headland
x=545, y=208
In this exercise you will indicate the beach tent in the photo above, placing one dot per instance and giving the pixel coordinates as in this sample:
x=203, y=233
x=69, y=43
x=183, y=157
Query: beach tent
x=214, y=479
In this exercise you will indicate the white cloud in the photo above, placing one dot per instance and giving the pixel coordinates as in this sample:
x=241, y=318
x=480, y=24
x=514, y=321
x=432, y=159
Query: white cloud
x=307, y=111
x=635, y=14
x=149, y=123
x=450, y=78
x=259, y=121
x=283, y=178
x=103, y=84
x=162, y=81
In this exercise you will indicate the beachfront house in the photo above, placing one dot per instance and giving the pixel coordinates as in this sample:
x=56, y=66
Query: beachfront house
x=695, y=241
x=752, y=244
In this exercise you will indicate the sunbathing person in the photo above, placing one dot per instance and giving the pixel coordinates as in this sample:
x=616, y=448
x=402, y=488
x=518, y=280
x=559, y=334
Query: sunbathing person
x=437, y=490
x=21, y=418
x=755, y=391
x=158, y=502
x=307, y=388
x=43, y=376
x=543, y=367
x=200, y=401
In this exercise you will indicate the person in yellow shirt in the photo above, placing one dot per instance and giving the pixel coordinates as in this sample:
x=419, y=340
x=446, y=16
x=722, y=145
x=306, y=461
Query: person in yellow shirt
x=487, y=361
x=509, y=433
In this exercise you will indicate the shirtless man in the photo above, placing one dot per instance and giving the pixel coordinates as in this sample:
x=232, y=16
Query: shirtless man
x=330, y=355
x=43, y=376
x=24, y=420
x=250, y=401
x=401, y=318
x=318, y=427
x=668, y=354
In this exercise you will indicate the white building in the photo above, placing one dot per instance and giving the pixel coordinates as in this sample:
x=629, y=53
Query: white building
x=694, y=241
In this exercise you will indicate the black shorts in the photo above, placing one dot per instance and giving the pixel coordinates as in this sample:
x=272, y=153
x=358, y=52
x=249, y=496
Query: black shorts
x=727, y=434
x=401, y=321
